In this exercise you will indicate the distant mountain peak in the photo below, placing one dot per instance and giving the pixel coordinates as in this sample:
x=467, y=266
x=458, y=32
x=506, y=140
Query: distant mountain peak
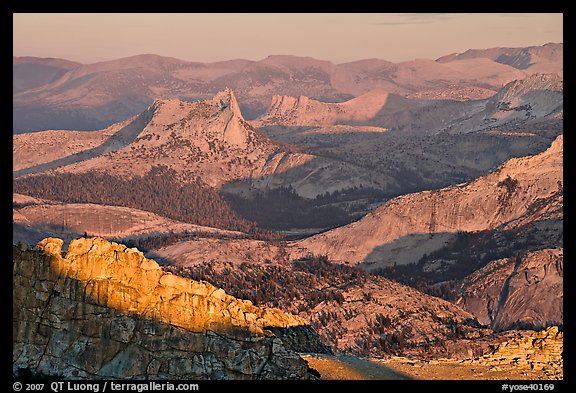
x=514, y=94
x=520, y=58
x=218, y=118
x=538, y=82
x=302, y=110
x=223, y=101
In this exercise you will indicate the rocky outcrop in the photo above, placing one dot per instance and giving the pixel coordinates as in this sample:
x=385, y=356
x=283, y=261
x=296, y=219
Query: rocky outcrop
x=536, y=96
x=540, y=347
x=524, y=101
x=541, y=350
x=517, y=88
x=102, y=310
x=234, y=132
x=304, y=111
x=520, y=292
x=207, y=138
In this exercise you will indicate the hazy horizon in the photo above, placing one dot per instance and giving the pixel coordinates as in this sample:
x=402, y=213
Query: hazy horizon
x=334, y=37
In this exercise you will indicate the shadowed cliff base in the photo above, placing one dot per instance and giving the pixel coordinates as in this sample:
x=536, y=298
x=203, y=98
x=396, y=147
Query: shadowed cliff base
x=105, y=311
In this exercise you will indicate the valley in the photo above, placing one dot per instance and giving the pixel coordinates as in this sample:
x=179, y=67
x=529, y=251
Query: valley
x=364, y=220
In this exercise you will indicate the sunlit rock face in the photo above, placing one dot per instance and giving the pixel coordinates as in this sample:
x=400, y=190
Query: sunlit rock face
x=540, y=350
x=102, y=310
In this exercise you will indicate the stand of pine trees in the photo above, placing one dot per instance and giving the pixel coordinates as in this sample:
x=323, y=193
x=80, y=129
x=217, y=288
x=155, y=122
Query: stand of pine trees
x=157, y=191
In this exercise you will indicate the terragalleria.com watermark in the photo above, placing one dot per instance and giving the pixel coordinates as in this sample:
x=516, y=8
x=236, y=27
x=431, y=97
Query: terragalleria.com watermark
x=110, y=386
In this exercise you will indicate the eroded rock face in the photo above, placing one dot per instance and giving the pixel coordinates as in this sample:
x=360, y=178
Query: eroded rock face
x=540, y=347
x=102, y=310
x=541, y=350
x=519, y=292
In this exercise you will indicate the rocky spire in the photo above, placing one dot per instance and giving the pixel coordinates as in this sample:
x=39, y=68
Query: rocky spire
x=227, y=101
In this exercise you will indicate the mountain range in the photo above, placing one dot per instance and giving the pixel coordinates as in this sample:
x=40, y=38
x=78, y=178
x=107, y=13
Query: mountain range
x=60, y=94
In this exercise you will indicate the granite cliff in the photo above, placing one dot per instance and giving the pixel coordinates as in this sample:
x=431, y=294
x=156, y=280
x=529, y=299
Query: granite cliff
x=517, y=292
x=102, y=310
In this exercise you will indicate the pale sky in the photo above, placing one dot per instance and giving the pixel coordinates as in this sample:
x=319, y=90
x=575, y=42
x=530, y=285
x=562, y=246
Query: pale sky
x=337, y=37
